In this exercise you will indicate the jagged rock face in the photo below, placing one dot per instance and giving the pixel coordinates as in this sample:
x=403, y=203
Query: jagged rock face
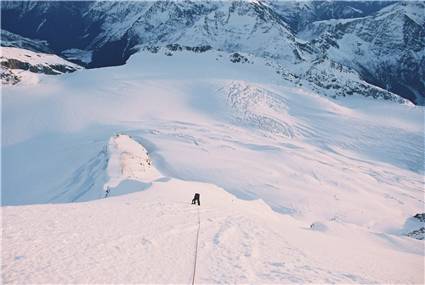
x=59, y=23
x=298, y=14
x=113, y=29
x=8, y=77
x=110, y=31
x=230, y=26
x=335, y=79
x=420, y=217
x=13, y=40
x=387, y=49
x=418, y=233
x=51, y=69
x=241, y=26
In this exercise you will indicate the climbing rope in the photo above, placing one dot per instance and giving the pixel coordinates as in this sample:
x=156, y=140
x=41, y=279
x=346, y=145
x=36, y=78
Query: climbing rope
x=196, y=247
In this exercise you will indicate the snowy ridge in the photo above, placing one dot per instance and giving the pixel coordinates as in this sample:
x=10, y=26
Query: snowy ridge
x=36, y=59
x=22, y=65
x=128, y=160
x=121, y=166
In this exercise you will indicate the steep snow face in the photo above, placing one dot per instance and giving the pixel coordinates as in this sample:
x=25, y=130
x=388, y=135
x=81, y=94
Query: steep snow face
x=387, y=49
x=17, y=63
x=150, y=237
x=120, y=165
x=241, y=26
x=128, y=160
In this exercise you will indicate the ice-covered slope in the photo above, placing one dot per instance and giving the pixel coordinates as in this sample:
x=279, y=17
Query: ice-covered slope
x=151, y=237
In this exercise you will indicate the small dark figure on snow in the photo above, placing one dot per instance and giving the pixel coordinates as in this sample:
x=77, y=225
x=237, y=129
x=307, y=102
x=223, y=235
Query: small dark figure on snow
x=196, y=199
x=107, y=192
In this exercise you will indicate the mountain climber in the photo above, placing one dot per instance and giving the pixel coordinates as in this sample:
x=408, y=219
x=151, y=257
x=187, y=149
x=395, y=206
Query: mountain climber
x=196, y=199
x=107, y=191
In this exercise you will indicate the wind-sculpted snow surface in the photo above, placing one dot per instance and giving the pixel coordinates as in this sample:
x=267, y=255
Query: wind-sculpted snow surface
x=128, y=160
x=338, y=178
x=260, y=108
x=150, y=237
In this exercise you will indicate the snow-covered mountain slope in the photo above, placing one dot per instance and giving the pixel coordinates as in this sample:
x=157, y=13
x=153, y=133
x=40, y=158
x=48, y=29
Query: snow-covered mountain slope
x=324, y=76
x=209, y=119
x=298, y=14
x=341, y=165
x=108, y=32
x=151, y=237
x=387, y=49
x=240, y=26
x=18, y=64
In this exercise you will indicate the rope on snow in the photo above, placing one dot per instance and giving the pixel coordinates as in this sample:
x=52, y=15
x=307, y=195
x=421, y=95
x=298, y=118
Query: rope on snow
x=196, y=247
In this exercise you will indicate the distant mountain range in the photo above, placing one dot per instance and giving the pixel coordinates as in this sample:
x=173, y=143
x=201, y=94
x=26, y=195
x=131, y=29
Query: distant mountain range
x=372, y=48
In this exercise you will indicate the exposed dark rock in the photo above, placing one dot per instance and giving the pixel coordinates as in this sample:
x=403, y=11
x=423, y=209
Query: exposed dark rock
x=420, y=217
x=53, y=69
x=8, y=77
x=237, y=57
x=417, y=234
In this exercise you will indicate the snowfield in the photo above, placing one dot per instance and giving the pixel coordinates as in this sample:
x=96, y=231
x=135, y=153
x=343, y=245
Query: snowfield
x=150, y=237
x=295, y=187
